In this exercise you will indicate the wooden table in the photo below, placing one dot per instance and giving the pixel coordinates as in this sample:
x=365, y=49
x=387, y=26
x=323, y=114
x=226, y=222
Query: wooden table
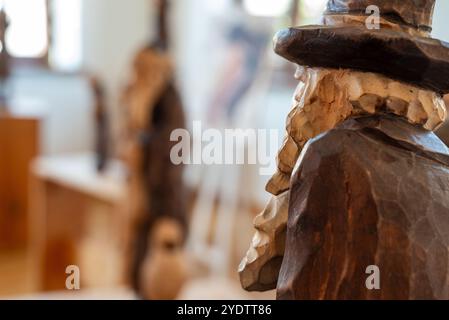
x=77, y=218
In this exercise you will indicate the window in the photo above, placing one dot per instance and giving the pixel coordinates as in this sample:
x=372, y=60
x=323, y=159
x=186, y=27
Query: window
x=66, y=45
x=267, y=8
x=27, y=34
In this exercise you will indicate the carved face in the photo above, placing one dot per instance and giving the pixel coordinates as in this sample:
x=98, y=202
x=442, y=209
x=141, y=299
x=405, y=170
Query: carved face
x=324, y=99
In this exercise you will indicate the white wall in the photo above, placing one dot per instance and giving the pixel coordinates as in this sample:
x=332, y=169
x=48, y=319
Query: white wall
x=64, y=105
x=112, y=32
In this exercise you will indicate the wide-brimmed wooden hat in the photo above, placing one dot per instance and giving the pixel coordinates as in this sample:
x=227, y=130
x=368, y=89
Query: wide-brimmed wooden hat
x=399, y=46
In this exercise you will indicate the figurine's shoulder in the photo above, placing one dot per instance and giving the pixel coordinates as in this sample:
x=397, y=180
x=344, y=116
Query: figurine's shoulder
x=379, y=145
x=381, y=131
x=376, y=183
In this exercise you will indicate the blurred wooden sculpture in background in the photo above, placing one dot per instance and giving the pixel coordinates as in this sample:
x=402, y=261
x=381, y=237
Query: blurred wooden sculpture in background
x=362, y=181
x=154, y=110
x=101, y=124
x=164, y=271
x=4, y=59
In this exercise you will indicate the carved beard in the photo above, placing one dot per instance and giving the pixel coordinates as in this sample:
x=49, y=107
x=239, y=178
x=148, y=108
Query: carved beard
x=325, y=98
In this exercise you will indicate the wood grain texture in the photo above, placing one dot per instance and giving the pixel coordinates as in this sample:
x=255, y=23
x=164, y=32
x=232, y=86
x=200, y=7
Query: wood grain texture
x=423, y=62
x=373, y=191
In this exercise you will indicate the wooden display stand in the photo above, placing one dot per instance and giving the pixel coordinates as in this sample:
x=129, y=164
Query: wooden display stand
x=76, y=220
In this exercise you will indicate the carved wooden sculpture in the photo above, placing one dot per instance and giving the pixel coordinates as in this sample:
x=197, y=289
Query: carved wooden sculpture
x=156, y=187
x=362, y=180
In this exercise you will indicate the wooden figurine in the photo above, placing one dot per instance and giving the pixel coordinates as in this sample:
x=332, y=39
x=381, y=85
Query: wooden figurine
x=360, y=206
x=164, y=271
x=154, y=110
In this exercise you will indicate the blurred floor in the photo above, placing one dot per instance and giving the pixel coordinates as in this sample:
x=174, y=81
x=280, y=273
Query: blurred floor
x=13, y=285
